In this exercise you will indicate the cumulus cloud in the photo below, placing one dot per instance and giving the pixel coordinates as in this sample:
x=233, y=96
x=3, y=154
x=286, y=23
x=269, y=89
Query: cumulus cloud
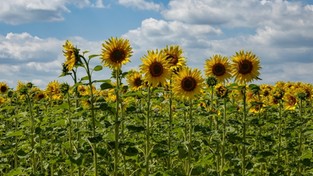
x=141, y=4
x=21, y=11
x=278, y=32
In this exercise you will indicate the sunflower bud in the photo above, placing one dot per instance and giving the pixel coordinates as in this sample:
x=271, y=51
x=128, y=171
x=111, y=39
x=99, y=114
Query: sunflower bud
x=211, y=81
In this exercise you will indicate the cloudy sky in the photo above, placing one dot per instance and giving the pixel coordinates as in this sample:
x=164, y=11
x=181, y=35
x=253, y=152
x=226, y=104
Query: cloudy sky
x=279, y=32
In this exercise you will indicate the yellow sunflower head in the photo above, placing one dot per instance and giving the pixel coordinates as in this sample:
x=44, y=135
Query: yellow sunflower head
x=245, y=67
x=71, y=54
x=53, y=89
x=3, y=87
x=219, y=67
x=188, y=83
x=134, y=80
x=221, y=90
x=290, y=101
x=2, y=100
x=116, y=52
x=155, y=68
x=174, y=55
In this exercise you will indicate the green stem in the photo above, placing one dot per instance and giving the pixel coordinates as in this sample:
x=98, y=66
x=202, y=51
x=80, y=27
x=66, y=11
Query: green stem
x=95, y=158
x=170, y=125
x=116, y=125
x=190, y=139
x=223, y=138
x=147, y=159
x=32, y=135
x=299, y=169
x=279, y=133
x=243, y=167
x=70, y=132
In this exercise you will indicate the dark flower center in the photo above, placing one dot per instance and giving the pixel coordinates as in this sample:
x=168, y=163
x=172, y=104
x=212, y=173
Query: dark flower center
x=218, y=69
x=3, y=89
x=156, y=69
x=137, y=82
x=188, y=84
x=173, y=59
x=117, y=56
x=245, y=67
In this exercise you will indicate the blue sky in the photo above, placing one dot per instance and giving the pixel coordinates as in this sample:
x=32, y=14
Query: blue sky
x=278, y=32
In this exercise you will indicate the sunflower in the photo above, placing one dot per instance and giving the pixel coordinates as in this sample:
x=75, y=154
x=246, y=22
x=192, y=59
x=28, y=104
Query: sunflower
x=155, y=68
x=134, y=80
x=2, y=100
x=245, y=67
x=188, y=83
x=53, y=90
x=221, y=90
x=116, y=52
x=219, y=67
x=72, y=56
x=290, y=101
x=3, y=87
x=174, y=57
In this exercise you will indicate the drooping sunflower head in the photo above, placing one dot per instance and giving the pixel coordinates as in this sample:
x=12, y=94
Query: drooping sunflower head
x=116, y=52
x=3, y=87
x=245, y=67
x=134, y=80
x=188, y=83
x=71, y=54
x=174, y=55
x=155, y=68
x=219, y=67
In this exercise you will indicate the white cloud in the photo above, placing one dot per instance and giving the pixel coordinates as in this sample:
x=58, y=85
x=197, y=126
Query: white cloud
x=23, y=47
x=279, y=32
x=21, y=11
x=141, y=4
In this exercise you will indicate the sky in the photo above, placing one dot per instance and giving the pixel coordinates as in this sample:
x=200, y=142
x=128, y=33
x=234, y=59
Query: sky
x=32, y=33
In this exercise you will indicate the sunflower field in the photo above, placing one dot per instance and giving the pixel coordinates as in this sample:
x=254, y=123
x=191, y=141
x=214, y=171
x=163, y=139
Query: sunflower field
x=163, y=119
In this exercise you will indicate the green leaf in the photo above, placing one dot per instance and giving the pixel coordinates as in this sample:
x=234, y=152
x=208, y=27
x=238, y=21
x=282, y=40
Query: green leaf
x=93, y=56
x=131, y=151
x=21, y=153
x=98, y=68
x=182, y=152
x=15, y=133
x=84, y=78
x=106, y=85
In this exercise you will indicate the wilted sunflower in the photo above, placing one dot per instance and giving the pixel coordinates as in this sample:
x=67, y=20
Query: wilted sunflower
x=155, y=68
x=71, y=54
x=3, y=87
x=245, y=67
x=219, y=67
x=188, y=83
x=134, y=80
x=116, y=52
x=174, y=57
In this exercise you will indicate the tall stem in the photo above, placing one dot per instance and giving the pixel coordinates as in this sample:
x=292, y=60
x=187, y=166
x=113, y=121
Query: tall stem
x=70, y=132
x=223, y=138
x=170, y=125
x=190, y=138
x=243, y=167
x=32, y=135
x=95, y=158
x=299, y=169
x=116, y=123
x=279, y=133
x=147, y=159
